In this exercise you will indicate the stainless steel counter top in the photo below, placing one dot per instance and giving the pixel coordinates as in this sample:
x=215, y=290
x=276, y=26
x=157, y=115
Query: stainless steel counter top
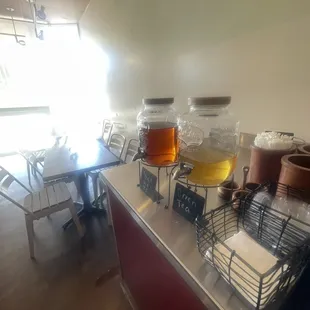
x=173, y=235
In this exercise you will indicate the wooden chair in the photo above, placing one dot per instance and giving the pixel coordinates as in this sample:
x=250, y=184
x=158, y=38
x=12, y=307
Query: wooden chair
x=40, y=204
x=33, y=160
x=132, y=149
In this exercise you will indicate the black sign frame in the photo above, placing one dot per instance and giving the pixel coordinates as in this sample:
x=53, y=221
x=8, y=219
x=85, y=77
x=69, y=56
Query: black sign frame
x=148, y=183
x=187, y=203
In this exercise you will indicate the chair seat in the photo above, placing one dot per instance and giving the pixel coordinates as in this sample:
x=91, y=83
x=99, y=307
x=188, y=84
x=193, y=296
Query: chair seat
x=49, y=197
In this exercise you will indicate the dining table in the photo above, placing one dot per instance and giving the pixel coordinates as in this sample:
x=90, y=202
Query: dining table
x=70, y=161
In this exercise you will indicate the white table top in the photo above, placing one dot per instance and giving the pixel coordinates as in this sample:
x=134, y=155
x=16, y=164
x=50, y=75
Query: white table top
x=63, y=161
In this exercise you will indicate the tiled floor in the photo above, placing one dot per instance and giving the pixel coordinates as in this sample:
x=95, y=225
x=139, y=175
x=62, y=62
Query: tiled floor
x=65, y=271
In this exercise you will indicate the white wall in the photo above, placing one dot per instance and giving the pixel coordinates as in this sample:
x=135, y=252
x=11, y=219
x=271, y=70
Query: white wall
x=119, y=27
x=255, y=51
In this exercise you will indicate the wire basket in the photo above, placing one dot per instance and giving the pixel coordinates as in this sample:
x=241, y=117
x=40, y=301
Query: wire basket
x=259, y=251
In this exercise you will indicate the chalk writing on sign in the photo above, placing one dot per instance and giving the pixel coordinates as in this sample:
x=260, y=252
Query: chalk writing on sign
x=187, y=203
x=148, y=183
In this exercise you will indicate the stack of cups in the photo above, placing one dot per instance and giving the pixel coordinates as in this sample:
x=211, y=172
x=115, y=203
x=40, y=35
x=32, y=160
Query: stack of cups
x=266, y=154
x=265, y=162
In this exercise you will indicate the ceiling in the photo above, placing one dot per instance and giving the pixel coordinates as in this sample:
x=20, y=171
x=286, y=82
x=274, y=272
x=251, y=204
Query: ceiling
x=56, y=10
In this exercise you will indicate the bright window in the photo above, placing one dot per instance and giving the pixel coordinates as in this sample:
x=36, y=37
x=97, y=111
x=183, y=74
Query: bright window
x=62, y=73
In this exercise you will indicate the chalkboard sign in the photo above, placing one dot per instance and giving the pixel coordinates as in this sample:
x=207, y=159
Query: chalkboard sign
x=187, y=203
x=148, y=183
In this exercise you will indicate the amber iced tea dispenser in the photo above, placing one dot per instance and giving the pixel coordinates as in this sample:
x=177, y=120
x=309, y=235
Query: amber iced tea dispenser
x=209, y=141
x=158, y=132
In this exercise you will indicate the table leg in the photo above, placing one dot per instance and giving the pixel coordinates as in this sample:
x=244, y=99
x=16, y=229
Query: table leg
x=84, y=192
x=87, y=208
x=80, y=213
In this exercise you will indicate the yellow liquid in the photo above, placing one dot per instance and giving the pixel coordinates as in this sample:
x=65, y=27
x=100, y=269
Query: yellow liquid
x=211, y=166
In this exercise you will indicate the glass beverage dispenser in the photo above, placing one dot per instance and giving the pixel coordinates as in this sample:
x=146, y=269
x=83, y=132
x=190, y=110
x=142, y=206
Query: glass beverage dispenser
x=209, y=141
x=158, y=132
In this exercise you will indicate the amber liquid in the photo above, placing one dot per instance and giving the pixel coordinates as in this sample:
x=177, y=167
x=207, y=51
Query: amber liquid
x=160, y=143
x=211, y=166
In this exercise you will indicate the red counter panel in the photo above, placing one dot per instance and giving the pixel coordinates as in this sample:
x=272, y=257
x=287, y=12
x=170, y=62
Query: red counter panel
x=153, y=282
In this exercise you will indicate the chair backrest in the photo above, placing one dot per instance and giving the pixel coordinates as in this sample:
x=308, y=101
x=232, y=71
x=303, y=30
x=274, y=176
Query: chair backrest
x=132, y=149
x=116, y=144
x=39, y=156
x=6, y=179
x=31, y=158
x=117, y=127
x=107, y=130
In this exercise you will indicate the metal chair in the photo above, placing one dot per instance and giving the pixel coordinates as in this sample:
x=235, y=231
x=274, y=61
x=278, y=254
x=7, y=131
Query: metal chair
x=118, y=127
x=132, y=149
x=116, y=145
x=109, y=128
x=40, y=204
x=106, y=130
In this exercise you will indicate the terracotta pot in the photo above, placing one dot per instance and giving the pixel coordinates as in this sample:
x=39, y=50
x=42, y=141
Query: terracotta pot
x=265, y=165
x=304, y=149
x=295, y=171
x=226, y=189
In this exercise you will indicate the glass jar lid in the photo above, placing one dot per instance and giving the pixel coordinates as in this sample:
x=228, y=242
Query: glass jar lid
x=151, y=101
x=219, y=102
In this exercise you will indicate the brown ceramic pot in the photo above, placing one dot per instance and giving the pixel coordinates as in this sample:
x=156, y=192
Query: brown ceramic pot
x=295, y=171
x=265, y=165
x=250, y=187
x=226, y=189
x=304, y=149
